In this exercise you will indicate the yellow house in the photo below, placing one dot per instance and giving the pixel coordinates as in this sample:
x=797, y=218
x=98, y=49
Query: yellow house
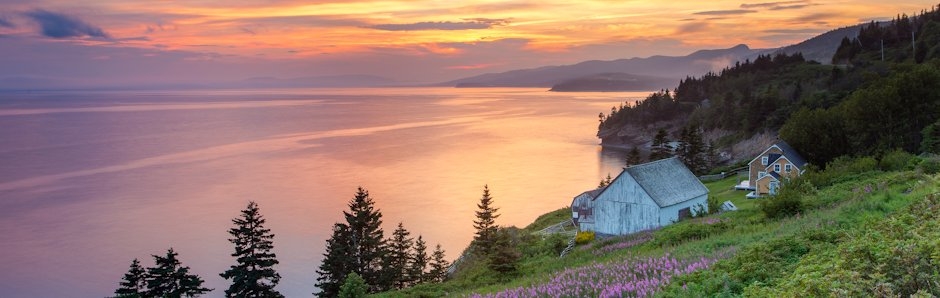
x=772, y=167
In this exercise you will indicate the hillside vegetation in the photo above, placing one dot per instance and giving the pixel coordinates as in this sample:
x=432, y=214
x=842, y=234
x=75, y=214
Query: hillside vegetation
x=864, y=217
x=864, y=106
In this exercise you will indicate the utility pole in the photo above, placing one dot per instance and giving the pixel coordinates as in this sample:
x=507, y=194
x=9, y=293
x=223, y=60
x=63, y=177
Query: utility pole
x=882, y=50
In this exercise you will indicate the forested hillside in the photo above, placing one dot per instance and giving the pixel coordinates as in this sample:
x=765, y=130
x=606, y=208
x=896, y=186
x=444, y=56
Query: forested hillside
x=862, y=106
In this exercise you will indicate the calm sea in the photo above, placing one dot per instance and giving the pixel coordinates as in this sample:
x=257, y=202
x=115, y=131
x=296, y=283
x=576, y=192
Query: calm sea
x=91, y=180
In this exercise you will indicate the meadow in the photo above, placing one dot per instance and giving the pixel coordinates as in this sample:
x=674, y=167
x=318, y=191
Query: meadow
x=863, y=227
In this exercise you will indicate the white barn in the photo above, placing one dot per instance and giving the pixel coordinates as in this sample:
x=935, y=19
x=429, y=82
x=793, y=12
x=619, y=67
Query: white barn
x=642, y=197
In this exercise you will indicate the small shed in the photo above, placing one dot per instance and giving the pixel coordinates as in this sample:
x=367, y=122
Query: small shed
x=642, y=197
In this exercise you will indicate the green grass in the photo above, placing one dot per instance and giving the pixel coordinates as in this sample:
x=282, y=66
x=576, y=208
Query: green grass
x=548, y=219
x=757, y=242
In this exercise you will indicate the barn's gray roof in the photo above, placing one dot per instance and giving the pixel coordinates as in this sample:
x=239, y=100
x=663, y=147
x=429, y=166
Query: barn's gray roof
x=592, y=193
x=667, y=181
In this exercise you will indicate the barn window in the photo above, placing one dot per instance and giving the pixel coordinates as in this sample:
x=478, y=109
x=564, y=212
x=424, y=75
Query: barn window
x=788, y=167
x=777, y=168
x=685, y=213
x=764, y=160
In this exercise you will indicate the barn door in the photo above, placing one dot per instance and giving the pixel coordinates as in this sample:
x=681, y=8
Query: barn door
x=685, y=213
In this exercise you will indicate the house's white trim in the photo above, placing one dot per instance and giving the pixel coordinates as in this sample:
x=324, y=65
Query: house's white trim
x=788, y=162
x=771, y=177
x=765, y=151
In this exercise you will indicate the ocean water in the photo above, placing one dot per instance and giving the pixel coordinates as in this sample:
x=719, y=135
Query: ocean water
x=91, y=180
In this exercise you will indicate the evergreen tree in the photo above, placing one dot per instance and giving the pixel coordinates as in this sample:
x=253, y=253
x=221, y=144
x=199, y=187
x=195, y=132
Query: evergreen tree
x=169, y=278
x=355, y=246
x=134, y=284
x=485, y=224
x=419, y=262
x=692, y=150
x=337, y=262
x=505, y=255
x=368, y=240
x=660, y=148
x=439, y=265
x=398, y=257
x=634, y=157
x=253, y=275
x=711, y=154
x=930, y=140
x=605, y=182
x=353, y=287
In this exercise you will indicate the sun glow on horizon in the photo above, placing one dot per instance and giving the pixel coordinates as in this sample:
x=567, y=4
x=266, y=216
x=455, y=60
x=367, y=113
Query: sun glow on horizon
x=493, y=35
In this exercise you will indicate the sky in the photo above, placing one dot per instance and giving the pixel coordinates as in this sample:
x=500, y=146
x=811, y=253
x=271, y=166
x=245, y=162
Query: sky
x=132, y=42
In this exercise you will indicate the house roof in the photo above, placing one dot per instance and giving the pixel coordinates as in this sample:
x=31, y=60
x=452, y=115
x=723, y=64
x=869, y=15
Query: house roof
x=791, y=154
x=769, y=175
x=667, y=181
x=592, y=193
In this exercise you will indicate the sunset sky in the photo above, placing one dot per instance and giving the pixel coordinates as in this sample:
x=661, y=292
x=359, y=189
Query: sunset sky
x=153, y=42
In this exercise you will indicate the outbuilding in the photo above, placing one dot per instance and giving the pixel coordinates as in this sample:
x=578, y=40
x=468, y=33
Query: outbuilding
x=642, y=197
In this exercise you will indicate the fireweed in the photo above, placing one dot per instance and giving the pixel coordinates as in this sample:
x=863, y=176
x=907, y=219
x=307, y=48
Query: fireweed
x=629, y=277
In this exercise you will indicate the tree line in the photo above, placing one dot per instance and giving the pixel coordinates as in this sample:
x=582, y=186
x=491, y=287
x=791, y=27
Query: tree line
x=865, y=107
x=690, y=147
x=903, y=39
x=252, y=275
x=359, y=259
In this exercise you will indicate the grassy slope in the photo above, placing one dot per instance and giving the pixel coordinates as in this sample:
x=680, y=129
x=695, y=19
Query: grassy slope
x=835, y=208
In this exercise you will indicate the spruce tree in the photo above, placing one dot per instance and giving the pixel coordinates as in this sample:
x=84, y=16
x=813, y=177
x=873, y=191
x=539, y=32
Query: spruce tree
x=485, y=224
x=634, y=157
x=605, y=182
x=337, y=262
x=367, y=238
x=134, y=284
x=398, y=258
x=439, y=265
x=253, y=275
x=169, y=278
x=505, y=255
x=419, y=262
x=353, y=287
x=660, y=148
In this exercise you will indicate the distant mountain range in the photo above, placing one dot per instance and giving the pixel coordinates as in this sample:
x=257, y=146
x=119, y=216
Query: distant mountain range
x=660, y=67
x=341, y=81
x=652, y=73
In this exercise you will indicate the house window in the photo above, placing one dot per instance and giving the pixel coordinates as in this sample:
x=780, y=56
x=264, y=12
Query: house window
x=761, y=174
x=764, y=161
x=788, y=168
x=777, y=168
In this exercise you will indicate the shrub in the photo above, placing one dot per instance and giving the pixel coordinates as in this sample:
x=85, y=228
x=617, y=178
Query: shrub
x=841, y=169
x=584, y=237
x=678, y=233
x=551, y=245
x=789, y=201
x=896, y=160
x=714, y=205
x=930, y=166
